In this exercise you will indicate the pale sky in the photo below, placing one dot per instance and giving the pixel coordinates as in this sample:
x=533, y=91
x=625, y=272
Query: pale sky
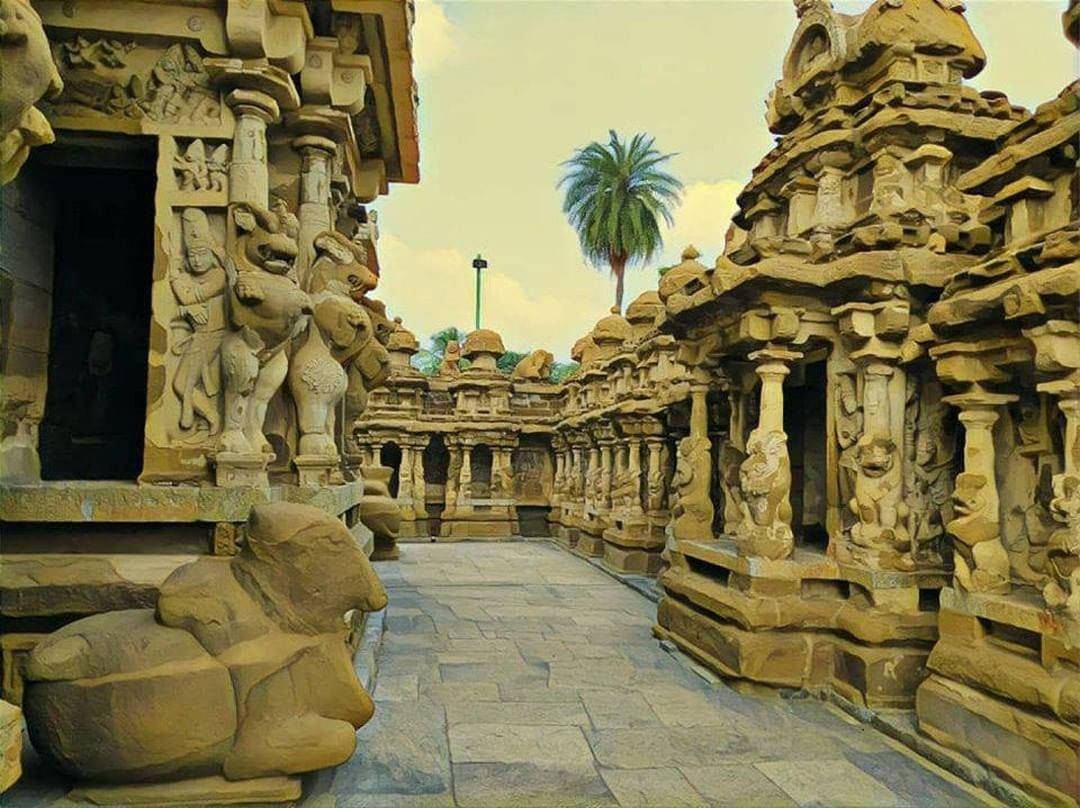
x=509, y=88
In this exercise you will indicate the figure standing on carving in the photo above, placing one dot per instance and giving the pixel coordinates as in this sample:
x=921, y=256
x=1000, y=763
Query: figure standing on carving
x=730, y=463
x=200, y=290
x=192, y=168
x=982, y=565
x=692, y=512
x=266, y=309
x=880, y=535
x=217, y=166
x=848, y=430
x=1063, y=548
x=765, y=481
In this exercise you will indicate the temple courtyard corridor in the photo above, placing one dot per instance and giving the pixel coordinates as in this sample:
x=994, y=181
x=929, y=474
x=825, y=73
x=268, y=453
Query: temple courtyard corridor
x=519, y=674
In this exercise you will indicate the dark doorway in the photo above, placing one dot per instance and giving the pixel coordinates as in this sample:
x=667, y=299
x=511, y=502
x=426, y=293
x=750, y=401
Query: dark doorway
x=436, y=468
x=390, y=457
x=481, y=471
x=804, y=421
x=98, y=345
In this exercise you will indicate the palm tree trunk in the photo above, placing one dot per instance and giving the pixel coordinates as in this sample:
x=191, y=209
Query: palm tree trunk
x=618, y=269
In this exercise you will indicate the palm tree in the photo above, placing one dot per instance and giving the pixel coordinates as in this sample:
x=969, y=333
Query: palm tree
x=616, y=195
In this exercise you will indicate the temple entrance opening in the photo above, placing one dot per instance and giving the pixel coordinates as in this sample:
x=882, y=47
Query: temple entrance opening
x=805, y=426
x=100, y=327
x=481, y=472
x=533, y=474
x=390, y=457
x=436, y=466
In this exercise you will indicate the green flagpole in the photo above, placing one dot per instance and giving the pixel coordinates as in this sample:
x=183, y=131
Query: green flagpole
x=478, y=264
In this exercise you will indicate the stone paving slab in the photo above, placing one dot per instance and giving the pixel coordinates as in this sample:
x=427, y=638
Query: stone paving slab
x=519, y=674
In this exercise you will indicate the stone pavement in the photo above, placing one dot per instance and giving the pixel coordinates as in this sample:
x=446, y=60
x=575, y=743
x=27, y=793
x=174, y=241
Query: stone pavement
x=518, y=674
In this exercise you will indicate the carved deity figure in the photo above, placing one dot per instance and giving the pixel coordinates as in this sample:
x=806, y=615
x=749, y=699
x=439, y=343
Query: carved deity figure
x=241, y=671
x=27, y=65
x=929, y=469
x=692, y=511
x=765, y=481
x=888, y=193
x=982, y=565
x=655, y=489
x=1063, y=548
x=849, y=426
x=453, y=474
x=200, y=289
x=730, y=464
x=198, y=171
x=266, y=309
x=880, y=537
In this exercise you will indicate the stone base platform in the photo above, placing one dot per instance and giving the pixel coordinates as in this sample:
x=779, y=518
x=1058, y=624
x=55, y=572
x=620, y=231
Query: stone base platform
x=415, y=530
x=590, y=531
x=495, y=524
x=801, y=622
x=631, y=547
x=1017, y=710
x=74, y=549
x=197, y=791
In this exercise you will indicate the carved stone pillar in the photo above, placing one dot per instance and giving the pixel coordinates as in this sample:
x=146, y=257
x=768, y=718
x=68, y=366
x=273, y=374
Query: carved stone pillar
x=465, y=481
x=633, y=473
x=654, y=446
x=453, y=477
x=879, y=535
x=765, y=475
x=693, y=510
x=577, y=476
x=981, y=562
x=405, y=483
x=1063, y=545
x=560, y=475
x=316, y=157
x=603, y=502
x=592, y=478
x=249, y=179
x=418, y=484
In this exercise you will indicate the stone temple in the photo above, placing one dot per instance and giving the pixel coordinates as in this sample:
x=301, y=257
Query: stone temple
x=844, y=455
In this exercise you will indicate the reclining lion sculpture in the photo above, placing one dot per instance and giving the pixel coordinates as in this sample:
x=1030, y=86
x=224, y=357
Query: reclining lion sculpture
x=241, y=672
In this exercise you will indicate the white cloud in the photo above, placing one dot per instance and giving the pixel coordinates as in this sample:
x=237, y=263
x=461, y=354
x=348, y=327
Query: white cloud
x=702, y=219
x=434, y=36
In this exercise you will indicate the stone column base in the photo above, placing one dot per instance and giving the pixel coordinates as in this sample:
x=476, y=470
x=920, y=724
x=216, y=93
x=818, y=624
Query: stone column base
x=630, y=547
x=1005, y=689
x=214, y=790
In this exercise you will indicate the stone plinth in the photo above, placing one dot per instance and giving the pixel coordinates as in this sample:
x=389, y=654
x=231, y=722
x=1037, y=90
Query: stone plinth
x=632, y=546
x=1004, y=688
x=805, y=621
x=483, y=519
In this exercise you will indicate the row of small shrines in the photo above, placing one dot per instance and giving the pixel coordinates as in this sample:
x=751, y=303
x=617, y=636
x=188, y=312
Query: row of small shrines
x=851, y=448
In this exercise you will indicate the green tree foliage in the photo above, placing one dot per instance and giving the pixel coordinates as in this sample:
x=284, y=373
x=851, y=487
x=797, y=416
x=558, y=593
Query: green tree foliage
x=509, y=360
x=561, y=371
x=616, y=195
x=427, y=360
